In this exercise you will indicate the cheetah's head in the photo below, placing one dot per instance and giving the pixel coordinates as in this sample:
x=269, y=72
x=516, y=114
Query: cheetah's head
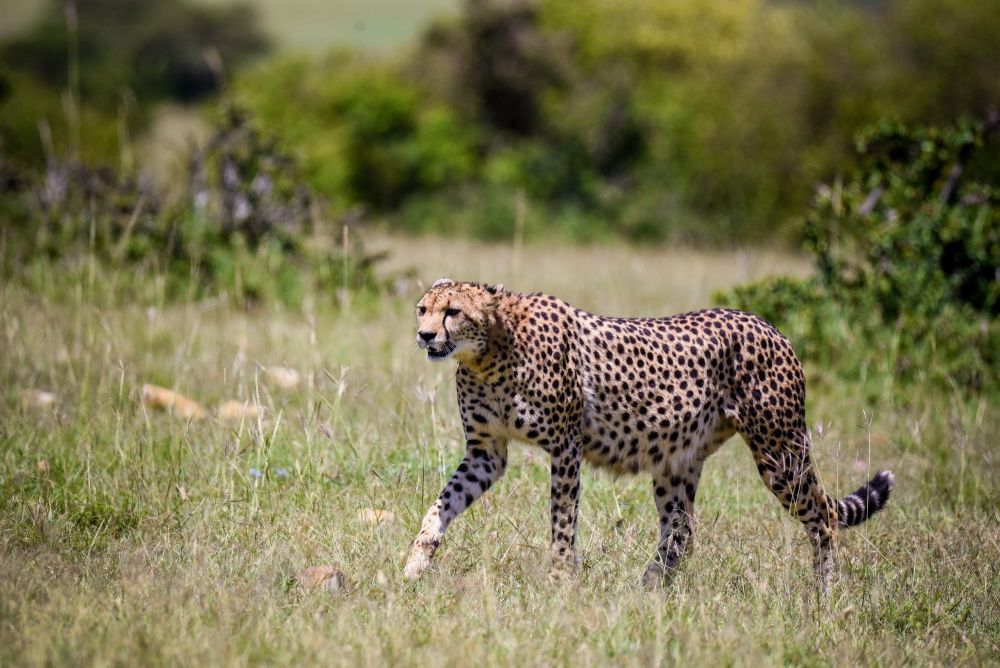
x=454, y=319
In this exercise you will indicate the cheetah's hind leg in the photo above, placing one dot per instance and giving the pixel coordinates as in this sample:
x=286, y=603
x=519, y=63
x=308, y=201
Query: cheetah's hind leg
x=674, y=495
x=789, y=473
x=674, y=492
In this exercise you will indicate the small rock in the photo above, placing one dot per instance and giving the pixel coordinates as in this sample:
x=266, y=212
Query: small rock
x=155, y=396
x=38, y=398
x=381, y=580
x=237, y=410
x=377, y=516
x=327, y=577
x=284, y=377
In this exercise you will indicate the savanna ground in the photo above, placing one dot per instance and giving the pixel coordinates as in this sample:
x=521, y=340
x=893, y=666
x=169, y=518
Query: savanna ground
x=130, y=536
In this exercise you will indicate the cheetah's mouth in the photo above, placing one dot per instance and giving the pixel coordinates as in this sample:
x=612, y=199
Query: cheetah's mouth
x=438, y=354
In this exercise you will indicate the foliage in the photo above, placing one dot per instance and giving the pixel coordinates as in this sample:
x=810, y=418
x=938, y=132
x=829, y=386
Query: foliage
x=165, y=49
x=34, y=124
x=393, y=148
x=749, y=103
x=90, y=72
x=907, y=259
x=494, y=64
x=365, y=136
x=690, y=121
x=686, y=120
x=241, y=179
x=247, y=225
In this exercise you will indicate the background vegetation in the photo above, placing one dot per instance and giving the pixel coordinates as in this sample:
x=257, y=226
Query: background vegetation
x=578, y=138
x=683, y=120
x=704, y=121
x=907, y=253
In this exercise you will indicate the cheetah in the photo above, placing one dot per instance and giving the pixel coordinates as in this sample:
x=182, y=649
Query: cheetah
x=656, y=395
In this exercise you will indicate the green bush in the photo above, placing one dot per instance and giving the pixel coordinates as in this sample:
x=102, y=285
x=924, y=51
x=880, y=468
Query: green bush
x=365, y=135
x=907, y=262
x=395, y=149
x=247, y=226
x=34, y=125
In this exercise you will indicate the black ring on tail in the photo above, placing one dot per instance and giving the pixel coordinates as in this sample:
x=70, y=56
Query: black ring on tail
x=870, y=498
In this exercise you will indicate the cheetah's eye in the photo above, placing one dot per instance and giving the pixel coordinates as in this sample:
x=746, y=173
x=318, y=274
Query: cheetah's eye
x=421, y=310
x=451, y=312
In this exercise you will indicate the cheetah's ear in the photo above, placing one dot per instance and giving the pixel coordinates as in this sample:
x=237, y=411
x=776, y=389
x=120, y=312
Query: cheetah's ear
x=495, y=291
x=443, y=283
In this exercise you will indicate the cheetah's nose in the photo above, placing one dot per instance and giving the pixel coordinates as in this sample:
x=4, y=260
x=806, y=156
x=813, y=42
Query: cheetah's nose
x=427, y=336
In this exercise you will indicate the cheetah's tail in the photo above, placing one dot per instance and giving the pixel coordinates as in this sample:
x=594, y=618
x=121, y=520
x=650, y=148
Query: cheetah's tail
x=870, y=498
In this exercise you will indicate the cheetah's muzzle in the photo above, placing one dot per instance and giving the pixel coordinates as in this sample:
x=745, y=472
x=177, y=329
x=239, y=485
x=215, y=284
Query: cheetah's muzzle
x=437, y=355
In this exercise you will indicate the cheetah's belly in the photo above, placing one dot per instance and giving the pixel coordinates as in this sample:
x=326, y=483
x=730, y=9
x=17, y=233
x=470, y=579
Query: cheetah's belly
x=632, y=432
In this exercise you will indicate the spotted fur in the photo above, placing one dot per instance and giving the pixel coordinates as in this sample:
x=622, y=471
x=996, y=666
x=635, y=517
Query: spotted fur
x=657, y=395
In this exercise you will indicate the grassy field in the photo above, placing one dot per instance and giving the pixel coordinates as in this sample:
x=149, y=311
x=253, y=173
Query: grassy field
x=132, y=536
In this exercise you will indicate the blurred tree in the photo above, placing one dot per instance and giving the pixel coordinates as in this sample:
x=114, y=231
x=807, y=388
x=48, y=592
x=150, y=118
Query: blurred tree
x=948, y=56
x=163, y=49
x=745, y=104
x=707, y=120
x=366, y=135
x=34, y=125
x=499, y=63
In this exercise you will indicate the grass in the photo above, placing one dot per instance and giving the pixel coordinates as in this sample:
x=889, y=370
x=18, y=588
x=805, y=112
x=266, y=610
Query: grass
x=130, y=536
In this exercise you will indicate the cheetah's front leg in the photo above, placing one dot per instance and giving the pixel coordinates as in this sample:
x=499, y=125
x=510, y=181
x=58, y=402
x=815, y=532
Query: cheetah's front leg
x=566, y=459
x=483, y=465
